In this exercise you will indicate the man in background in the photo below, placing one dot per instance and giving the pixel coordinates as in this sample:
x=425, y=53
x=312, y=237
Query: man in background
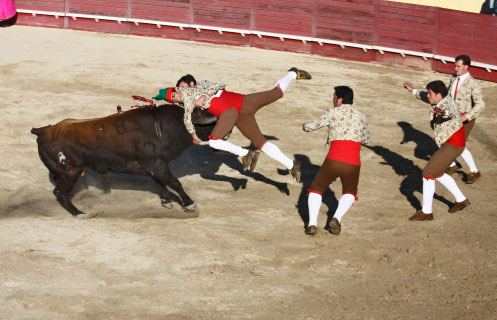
x=466, y=92
x=8, y=13
x=489, y=7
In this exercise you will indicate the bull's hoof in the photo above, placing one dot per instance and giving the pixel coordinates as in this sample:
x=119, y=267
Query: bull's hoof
x=166, y=203
x=190, y=208
x=86, y=215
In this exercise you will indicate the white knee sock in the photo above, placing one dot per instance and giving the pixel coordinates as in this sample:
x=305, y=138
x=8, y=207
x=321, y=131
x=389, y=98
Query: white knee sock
x=275, y=153
x=314, y=204
x=285, y=81
x=344, y=204
x=227, y=146
x=468, y=158
x=454, y=163
x=449, y=183
x=428, y=192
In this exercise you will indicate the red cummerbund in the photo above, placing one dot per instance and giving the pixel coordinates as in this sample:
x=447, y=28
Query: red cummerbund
x=458, y=139
x=345, y=151
x=226, y=101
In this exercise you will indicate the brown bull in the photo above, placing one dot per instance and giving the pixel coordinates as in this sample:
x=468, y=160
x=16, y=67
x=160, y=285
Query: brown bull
x=140, y=141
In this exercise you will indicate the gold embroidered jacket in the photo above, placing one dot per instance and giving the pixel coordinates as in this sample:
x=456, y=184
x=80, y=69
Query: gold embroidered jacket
x=469, y=98
x=190, y=94
x=344, y=123
x=444, y=126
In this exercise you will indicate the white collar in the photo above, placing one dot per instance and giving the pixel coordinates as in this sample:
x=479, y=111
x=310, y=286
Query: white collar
x=438, y=104
x=463, y=77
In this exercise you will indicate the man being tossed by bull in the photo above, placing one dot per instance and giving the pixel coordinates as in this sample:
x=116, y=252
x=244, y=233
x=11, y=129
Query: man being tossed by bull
x=233, y=109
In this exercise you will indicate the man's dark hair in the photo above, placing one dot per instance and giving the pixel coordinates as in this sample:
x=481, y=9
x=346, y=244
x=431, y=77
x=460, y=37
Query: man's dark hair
x=466, y=60
x=187, y=78
x=345, y=93
x=437, y=86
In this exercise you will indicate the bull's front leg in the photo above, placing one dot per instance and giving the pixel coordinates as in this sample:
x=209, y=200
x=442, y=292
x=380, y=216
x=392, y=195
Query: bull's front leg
x=165, y=197
x=161, y=173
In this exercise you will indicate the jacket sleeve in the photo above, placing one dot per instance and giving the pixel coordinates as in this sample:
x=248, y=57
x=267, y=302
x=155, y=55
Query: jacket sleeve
x=210, y=87
x=188, y=103
x=450, y=110
x=477, y=101
x=422, y=95
x=320, y=122
x=366, y=136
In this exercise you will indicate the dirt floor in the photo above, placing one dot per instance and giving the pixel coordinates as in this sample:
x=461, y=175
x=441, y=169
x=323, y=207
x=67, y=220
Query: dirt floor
x=243, y=254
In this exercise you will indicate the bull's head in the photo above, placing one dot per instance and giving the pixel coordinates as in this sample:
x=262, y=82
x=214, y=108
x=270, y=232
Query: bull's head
x=204, y=122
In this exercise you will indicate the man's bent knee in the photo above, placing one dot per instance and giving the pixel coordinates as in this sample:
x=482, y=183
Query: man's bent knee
x=318, y=188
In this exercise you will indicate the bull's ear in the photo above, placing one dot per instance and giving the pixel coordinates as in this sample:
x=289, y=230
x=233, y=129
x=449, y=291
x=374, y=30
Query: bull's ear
x=202, y=117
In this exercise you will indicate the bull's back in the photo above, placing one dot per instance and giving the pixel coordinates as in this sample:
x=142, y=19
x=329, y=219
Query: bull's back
x=116, y=141
x=97, y=132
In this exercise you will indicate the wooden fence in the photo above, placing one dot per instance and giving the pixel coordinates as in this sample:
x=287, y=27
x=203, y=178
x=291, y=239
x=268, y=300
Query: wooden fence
x=365, y=30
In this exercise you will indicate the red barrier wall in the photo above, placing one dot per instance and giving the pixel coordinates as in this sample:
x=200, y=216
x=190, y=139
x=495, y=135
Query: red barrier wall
x=372, y=23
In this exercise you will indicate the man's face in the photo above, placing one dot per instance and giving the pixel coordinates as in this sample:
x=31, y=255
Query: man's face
x=176, y=96
x=336, y=101
x=184, y=84
x=434, y=98
x=460, y=68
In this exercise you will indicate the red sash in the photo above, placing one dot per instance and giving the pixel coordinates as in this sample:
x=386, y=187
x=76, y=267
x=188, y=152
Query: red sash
x=458, y=139
x=345, y=151
x=226, y=101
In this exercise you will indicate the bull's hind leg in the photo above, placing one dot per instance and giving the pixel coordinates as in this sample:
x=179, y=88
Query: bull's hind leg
x=162, y=174
x=64, y=182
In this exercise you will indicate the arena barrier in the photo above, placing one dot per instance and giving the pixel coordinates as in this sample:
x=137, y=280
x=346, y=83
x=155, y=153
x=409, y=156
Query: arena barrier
x=390, y=33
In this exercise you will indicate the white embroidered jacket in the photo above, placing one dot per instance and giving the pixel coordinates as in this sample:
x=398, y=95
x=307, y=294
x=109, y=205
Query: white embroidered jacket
x=190, y=94
x=449, y=123
x=344, y=123
x=469, y=98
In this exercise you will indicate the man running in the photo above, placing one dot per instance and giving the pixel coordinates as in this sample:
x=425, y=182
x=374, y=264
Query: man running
x=347, y=129
x=450, y=137
x=466, y=92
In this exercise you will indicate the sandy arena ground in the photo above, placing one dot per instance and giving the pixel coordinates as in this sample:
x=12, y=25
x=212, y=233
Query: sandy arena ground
x=243, y=254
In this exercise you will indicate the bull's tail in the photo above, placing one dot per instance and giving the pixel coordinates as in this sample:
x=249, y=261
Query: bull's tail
x=37, y=131
x=45, y=134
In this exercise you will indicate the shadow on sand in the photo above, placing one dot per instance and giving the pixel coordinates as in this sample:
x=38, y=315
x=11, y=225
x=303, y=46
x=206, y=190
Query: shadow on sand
x=309, y=171
x=198, y=159
x=424, y=149
x=413, y=182
x=425, y=146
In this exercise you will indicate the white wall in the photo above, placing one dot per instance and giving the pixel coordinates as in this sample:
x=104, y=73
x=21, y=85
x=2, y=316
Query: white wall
x=462, y=5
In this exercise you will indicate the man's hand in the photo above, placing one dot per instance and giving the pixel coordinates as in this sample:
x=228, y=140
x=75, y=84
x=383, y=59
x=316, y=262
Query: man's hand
x=196, y=140
x=437, y=110
x=408, y=86
x=200, y=101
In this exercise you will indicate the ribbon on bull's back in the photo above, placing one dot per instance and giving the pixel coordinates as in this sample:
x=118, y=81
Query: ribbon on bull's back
x=151, y=103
